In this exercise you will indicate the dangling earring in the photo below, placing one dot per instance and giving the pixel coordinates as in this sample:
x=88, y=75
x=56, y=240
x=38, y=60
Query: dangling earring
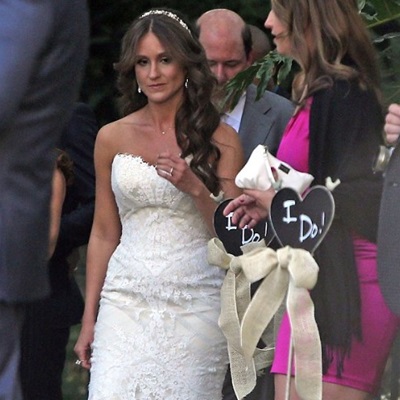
x=139, y=90
x=186, y=83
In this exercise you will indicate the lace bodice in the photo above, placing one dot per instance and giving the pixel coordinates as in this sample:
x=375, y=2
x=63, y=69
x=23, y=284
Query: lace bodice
x=161, y=299
x=160, y=228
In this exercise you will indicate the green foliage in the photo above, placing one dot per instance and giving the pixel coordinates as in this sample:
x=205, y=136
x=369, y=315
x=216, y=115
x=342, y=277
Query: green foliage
x=389, y=57
x=272, y=67
x=110, y=20
x=382, y=18
x=378, y=12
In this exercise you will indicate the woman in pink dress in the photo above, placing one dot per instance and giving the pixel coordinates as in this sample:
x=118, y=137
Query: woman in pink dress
x=335, y=133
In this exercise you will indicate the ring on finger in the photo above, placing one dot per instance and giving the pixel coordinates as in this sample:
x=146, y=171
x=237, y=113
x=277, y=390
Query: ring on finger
x=171, y=171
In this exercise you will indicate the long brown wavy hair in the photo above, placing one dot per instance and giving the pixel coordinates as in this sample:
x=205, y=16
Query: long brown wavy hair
x=197, y=118
x=65, y=165
x=342, y=46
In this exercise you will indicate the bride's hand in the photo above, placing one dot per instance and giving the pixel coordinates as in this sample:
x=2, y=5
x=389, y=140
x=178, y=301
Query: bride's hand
x=83, y=346
x=250, y=207
x=176, y=170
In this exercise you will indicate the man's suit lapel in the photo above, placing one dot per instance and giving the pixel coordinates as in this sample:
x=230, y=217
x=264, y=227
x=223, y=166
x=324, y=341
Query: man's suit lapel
x=256, y=121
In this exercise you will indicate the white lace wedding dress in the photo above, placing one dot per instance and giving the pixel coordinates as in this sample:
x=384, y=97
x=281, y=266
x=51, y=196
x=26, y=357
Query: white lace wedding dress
x=157, y=335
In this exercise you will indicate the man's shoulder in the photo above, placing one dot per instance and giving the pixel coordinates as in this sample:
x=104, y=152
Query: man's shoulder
x=268, y=97
x=268, y=104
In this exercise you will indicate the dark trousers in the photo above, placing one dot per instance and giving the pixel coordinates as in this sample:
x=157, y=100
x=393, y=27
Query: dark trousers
x=264, y=389
x=43, y=353
x=11, y=319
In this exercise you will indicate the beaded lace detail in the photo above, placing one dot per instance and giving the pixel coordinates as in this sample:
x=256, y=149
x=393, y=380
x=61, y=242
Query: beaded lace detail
x=157, y=335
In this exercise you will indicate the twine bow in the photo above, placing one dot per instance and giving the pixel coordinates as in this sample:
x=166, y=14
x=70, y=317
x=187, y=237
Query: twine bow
x=244, y=320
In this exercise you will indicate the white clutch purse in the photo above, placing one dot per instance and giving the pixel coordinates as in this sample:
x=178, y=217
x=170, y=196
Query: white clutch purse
x=258, y=173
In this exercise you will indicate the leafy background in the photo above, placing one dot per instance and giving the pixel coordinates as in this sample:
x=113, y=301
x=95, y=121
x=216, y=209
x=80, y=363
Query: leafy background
x=109, y=20
x=382, y=17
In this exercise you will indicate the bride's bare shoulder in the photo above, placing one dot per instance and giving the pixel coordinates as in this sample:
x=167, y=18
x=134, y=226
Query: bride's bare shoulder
x=124, y=135
x=127, y=125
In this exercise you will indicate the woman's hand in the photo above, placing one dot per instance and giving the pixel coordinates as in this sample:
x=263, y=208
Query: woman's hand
x=83, y=345
x=392, y=124
x=176, y=170
x=250, y=207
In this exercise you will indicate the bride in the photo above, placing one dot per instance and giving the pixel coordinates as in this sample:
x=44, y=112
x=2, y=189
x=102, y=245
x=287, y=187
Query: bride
x=149, y=329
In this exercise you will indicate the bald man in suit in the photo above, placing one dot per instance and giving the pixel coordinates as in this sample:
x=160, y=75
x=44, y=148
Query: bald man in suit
x=43, y=49
x=227, y=42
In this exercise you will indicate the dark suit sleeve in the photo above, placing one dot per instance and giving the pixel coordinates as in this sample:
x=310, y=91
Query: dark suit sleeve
x=78, y=141
x=389, y=235
x=25, y=26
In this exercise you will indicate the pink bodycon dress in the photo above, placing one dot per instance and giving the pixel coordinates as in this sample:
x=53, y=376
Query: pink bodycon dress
x=364, y=367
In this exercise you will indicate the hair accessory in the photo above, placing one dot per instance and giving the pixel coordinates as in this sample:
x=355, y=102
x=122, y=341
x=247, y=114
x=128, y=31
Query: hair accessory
x=168, y=14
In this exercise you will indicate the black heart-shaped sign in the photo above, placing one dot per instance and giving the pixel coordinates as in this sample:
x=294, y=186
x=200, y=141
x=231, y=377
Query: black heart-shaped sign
x=302, y=222
x=234, y=237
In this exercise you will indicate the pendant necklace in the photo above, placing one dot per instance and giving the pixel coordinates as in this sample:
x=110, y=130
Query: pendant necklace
x=166, y=130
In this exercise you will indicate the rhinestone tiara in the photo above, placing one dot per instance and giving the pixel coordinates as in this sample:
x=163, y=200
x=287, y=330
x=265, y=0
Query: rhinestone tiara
x=168, y=14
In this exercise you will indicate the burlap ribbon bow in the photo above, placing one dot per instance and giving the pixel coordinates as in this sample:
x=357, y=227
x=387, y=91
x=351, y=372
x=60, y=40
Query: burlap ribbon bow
x=243, y=320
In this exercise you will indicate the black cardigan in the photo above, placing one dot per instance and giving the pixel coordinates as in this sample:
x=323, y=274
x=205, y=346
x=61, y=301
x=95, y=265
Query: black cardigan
x=345, y=133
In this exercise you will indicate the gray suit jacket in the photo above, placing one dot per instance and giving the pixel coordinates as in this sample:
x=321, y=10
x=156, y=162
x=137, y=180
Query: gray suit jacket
x=43, y=48
x=389, y=235
x=263, y=121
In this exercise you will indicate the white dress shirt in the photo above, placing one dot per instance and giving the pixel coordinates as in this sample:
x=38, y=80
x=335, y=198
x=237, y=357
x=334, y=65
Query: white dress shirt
x=234, y=117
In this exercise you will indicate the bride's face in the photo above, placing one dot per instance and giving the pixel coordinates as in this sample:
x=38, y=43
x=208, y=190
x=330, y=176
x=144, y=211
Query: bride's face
x=158, y=74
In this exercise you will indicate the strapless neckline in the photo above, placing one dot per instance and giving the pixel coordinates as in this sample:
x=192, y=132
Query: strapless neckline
x=134, y=156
